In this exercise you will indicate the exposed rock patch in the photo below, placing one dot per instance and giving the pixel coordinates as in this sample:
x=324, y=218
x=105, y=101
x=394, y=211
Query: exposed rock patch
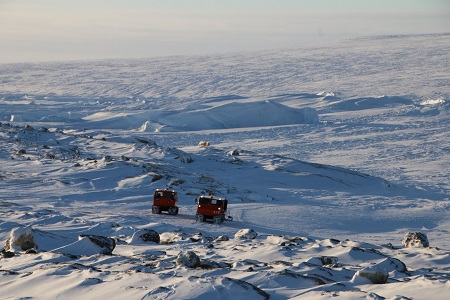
x=246, y=233
x=145, y=236
x=188, y=259
x=415, y=239
x=87, y=245
x=373, y=276
x=20, y=239
x=106, y=244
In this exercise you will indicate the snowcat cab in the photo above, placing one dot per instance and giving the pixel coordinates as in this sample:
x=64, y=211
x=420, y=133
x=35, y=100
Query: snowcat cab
x=211, y=209
x=165, y=200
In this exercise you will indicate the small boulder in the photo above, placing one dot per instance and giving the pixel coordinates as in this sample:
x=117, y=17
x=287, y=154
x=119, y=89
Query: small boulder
x=20, y=239
x=233, y=152
x=49, y=155
x=323, y=260
x=370, y=276
x=87, y=245
x=145, y=236
x=246, y=233
x=7, y=254
x=391, y=264
x=21, y=152
x=188, y=259
x=415, y=239
x=203, y=144
x=222, y=238
x=185, y=158
x=106, y=244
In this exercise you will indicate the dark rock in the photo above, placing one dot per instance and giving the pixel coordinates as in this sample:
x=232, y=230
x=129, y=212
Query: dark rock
x=21, y=152
x=246, y=233
x=234, y=152
x=145, y=235
x=323, y=260
x=124, y=158
x=107, y=158
x=20, y=239
x=187, y=159
x=49, y=155
x=107, y=244
x=188, y=259
x=222, y=238
x=157, y=177
x=7, y=254
x=328, y=260
x=370, y=275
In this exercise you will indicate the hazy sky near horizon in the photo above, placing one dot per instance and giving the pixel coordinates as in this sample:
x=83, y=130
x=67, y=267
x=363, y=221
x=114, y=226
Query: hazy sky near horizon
x=48, y=30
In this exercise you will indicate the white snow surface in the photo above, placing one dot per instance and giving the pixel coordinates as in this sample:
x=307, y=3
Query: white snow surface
x=330, y=154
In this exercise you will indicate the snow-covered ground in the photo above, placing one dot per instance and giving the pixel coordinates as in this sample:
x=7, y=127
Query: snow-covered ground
x=330, y=154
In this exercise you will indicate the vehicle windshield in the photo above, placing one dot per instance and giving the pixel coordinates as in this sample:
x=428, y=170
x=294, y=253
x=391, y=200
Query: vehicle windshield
x=203, y=200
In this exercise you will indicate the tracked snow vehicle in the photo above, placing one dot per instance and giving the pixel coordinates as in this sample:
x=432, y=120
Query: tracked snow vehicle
x=211, y=209
x=165, y=200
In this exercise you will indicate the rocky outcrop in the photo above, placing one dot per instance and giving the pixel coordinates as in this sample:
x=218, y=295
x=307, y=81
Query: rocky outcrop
x=415, y=239
x=203, y=144
x=20, y=239
x=106, y=244
x=188, y=259
x=391, y=264
x=222, y=238
x=370, y=276
x=246, y=233
x=89, y=244
x=145, y=236
x=6, y=254
x=323, y=260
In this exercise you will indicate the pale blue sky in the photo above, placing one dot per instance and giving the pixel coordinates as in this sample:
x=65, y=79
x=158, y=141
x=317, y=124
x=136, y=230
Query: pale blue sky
x=44, y=30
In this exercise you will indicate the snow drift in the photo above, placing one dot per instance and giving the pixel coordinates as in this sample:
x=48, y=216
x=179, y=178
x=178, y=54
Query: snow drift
x=242, y=115
x=225, y=116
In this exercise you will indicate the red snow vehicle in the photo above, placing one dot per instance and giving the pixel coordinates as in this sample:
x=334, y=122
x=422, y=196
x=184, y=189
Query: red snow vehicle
x=211, y=209
x=165, y=200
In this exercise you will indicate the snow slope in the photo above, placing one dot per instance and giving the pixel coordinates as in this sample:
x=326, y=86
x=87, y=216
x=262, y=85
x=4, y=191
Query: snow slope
x=331, y=181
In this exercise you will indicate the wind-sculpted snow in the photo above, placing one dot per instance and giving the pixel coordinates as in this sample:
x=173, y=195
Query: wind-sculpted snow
x=328, y=176
x=226, y=116
x=370, y=103
x=242, y=115
x=263, y=267
x=373, y=66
